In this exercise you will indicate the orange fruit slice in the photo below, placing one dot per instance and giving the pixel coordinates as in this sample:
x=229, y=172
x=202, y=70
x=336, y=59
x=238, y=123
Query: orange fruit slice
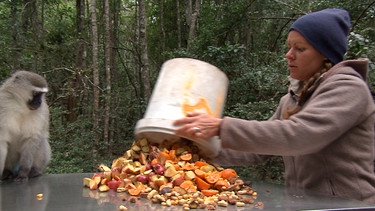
x=200, y=173
x=186, y=157
x=228, y=173
x=189, y=186
x=221, y=184
x=201, y=184
x=213, y=177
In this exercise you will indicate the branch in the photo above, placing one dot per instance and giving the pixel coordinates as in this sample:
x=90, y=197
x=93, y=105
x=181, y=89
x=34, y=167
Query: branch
x=362, y=14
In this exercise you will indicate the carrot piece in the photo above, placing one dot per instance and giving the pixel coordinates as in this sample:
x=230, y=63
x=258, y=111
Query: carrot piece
x=209, y=192
x=154, y=161
x=134, y=191
x=172, y=155
x=200, y=163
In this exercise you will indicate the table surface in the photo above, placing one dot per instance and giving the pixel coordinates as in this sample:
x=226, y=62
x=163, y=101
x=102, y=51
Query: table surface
x=66, y=192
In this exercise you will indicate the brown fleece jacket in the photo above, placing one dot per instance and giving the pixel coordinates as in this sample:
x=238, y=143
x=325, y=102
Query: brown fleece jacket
x=328, y=146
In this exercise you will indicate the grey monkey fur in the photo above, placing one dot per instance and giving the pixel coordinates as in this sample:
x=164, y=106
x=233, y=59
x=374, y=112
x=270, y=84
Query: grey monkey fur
x=24, y=126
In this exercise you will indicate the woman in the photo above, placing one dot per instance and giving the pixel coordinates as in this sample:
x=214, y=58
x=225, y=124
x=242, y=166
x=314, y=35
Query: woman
x=324, y=126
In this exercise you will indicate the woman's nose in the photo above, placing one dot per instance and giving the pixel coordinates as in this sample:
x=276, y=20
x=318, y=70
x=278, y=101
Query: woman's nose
x=289, y=54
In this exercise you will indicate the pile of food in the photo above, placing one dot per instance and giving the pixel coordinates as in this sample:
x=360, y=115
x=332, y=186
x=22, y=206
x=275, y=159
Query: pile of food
x=173, y=174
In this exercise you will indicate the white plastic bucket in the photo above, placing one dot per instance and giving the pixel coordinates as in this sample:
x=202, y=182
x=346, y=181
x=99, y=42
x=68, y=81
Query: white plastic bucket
x=183, y=85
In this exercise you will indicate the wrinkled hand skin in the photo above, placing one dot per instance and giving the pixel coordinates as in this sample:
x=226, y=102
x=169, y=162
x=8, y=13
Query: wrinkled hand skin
x=209, y=126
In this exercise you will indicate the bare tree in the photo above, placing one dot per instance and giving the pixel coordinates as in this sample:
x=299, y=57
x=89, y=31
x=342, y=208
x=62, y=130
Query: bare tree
x=16, y=37
x=95, y=74
x=30, y=22
x=81, y=53
x=108, y=55
x=178, y=24
x=145, y=71
x=192, y=15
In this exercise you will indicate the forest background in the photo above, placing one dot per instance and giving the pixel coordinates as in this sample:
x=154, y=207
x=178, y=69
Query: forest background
x=102, y=58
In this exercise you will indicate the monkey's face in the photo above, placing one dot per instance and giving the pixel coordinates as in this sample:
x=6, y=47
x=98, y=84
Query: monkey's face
x=30, y=87
x=36, y=101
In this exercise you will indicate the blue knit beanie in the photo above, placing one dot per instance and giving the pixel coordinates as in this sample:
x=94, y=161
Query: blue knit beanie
x=327, y=30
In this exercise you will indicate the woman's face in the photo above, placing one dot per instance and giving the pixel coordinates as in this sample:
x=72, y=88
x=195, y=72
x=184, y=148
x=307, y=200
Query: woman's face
x=303, y=59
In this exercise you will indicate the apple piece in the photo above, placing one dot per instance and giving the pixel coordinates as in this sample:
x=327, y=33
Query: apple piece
x=168, y=163
x=93, y=185
x=208, y=168
x=125, y=182
x=148, y=166
x=161, y=180
x=145, y=149
x=178, y=179
x=158, y=168
x=170, y=172
x=143, y=142
x=142, y=158
x=104, y=181
x=97, y=178
x=120, y=162
x=130, y=168
x=152, y=185
x=148, y=172
x=102, y=167
x=127, y=154
x=137, y=164
x=135, y=148
x=189, y=175
x=153, y=155
x=142, y=178
x=107, y=174
x=114, y=184
x=103, y=188
x=86, y=182
x=116, y=171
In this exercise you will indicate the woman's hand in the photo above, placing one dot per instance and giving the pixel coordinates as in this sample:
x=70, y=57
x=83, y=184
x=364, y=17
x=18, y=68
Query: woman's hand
x=198, y=126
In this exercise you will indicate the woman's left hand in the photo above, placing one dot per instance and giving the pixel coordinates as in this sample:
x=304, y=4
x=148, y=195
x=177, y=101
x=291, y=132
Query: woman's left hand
x=198, y=126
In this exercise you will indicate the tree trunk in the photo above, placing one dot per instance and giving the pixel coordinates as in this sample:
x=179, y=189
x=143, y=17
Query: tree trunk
x=95, y=74
x=145, y=72
x=71, y=104
x=162, y=30
x=192, y=15
x=108, y=55
x=16, y=38
x=30, y=23
x=178, y=24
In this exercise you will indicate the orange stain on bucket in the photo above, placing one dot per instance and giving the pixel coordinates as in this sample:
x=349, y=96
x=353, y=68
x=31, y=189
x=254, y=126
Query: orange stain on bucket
x=202, y=103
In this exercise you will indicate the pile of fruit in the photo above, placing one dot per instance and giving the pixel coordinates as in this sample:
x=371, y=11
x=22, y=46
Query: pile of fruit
x=172, y=174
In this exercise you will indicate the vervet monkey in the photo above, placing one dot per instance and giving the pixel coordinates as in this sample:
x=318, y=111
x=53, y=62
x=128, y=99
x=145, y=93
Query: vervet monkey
x=24, y=126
